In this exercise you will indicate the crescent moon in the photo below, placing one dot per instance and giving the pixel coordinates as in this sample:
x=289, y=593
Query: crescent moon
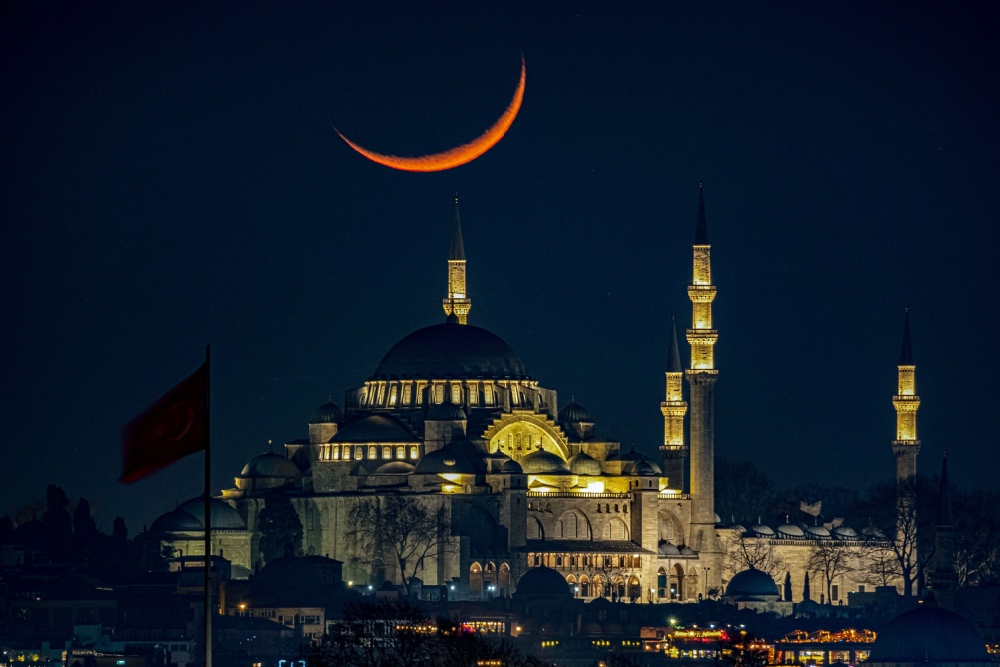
x=456, y=156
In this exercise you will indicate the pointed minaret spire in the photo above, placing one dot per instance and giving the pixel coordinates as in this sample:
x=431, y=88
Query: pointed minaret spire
x=457, y=250
x=674, y=366
x=943, y=580
x=701, y=225
x=906, y=352
x=906, y=402
x=457, y=304
x=673, y=450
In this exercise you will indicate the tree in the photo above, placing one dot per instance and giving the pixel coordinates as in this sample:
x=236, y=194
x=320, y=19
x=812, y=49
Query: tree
x=280, y=527
x=84, y=526
x=614, y=573
x=743, y=491
x=397, y=529
x=977, y=538
x=119, y=532
x=744, y=552
x=831, y=560
x=56, y=512
x=879, y=565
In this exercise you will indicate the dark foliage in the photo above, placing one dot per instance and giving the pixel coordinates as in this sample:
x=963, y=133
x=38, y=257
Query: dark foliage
x=280, y=527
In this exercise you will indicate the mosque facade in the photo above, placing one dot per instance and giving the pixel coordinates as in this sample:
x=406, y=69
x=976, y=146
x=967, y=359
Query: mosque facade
x=452, y=420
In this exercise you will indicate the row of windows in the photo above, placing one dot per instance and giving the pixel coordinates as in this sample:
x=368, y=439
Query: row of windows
x=410, y=393
x=561, y=560
x=371, y=452
x=571, y=526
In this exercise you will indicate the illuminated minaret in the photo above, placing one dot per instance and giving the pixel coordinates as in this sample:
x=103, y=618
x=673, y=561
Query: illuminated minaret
x=673, y=450
x=701, y=377
x=457, y=302
x=906, y=446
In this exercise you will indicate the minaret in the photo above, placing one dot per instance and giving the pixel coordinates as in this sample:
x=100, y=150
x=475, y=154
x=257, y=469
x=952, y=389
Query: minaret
x=701, y=377
x=943, y=579
x=906, y=446
x=457, y=302
x=673, y=450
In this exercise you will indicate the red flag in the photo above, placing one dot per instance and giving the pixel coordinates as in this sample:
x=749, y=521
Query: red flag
x=169, y=430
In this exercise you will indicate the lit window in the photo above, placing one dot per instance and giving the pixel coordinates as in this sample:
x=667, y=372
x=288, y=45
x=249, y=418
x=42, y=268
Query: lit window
x=473, y=393
x=488, y=393
x=392, y=395
x=400, y=452
x=381, y=393
x=439, y=393
x=359, y=452
x=335, y=451
x=413, y=452
x=387, y=452
x=456, y=393
x=371, y=452
x=407, y=393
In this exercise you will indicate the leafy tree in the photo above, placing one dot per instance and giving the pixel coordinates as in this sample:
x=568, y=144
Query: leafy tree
x=397, y=530
x=119, y=532
x=84, y=526
x=280, y=527
x=56, y=512
x=743, y=491
x=743, y=552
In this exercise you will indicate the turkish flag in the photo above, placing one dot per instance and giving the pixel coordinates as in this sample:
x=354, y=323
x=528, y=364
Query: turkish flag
x=170, y=429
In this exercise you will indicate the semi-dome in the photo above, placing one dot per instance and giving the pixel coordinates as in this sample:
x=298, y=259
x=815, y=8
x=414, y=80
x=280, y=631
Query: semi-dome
x=541, y=462
x=394, y=468
x=328, y=413
x=512, y=467
x=542, y=582
x=583, y=463
x=224, y=517
x=176, y=521
x=751, y=583
x=374, y=428
x=929, y=634
x=270, y=464
x=446, y=411
x=451, y=351
x=450, y=459
x=762, y=530
x=574, y=412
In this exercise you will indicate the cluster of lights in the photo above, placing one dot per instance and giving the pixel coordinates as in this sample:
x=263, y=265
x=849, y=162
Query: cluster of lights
x=827, y=637
x=601, y=642
x=550, y=643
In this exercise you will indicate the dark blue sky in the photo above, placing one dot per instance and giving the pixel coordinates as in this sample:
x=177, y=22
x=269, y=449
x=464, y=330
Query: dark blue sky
x=170, y=178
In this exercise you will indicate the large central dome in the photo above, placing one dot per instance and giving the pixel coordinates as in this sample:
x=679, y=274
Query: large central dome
x=451, y=351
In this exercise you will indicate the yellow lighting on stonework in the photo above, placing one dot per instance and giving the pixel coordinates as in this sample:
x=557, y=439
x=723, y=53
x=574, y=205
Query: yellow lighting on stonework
x=451, y=476
x=450, y=488
x=595, y=487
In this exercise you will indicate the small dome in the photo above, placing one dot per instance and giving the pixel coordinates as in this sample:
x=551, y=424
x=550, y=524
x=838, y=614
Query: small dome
x=512, y=467
x=450, y=459
x=929, y=634
x=687, y=551
x=665, y=548
x=789, y=530
x=270, y=464
x=762, y=530
x=328, y=413
x=446, y=411
x=752, y=583
x=176, y=521
x=584, y=464
x=541, y=462
x=394, y=468
x=374, y=428
x=845, y=533
x=542, y=582
x=818, y=532
x=643, y=467
x=872, y=533
x=224, y=517
x=574, y=412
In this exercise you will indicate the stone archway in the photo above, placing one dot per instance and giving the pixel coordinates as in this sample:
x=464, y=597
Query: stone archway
x=634, y=589
x=677, y=583
x=517, y=435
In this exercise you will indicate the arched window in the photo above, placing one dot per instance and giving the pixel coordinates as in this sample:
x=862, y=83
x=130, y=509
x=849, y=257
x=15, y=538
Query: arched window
x=359, y=452
x=615, y=529
x=400, y=452
x=488, y=393
x=413, y=452
x=584, y=586
x=371, y=452
x=439, y=393
x=661, y=583
x=392, y=395
x=456, y=393
x=387, y=452
x=535, y=531
x=407, y=393
x=476, y=580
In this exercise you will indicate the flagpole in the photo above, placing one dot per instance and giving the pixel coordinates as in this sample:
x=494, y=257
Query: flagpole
x=208, y=507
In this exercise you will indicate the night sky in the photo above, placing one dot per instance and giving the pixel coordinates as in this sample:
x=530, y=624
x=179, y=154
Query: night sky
x=169, y=178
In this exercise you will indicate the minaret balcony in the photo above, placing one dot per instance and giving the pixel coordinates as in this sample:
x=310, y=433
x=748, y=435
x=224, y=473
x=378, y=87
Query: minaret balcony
x=701, y=293
x=905, y=403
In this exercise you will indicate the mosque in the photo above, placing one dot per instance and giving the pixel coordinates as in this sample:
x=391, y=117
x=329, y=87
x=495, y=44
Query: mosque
x=452, y=420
